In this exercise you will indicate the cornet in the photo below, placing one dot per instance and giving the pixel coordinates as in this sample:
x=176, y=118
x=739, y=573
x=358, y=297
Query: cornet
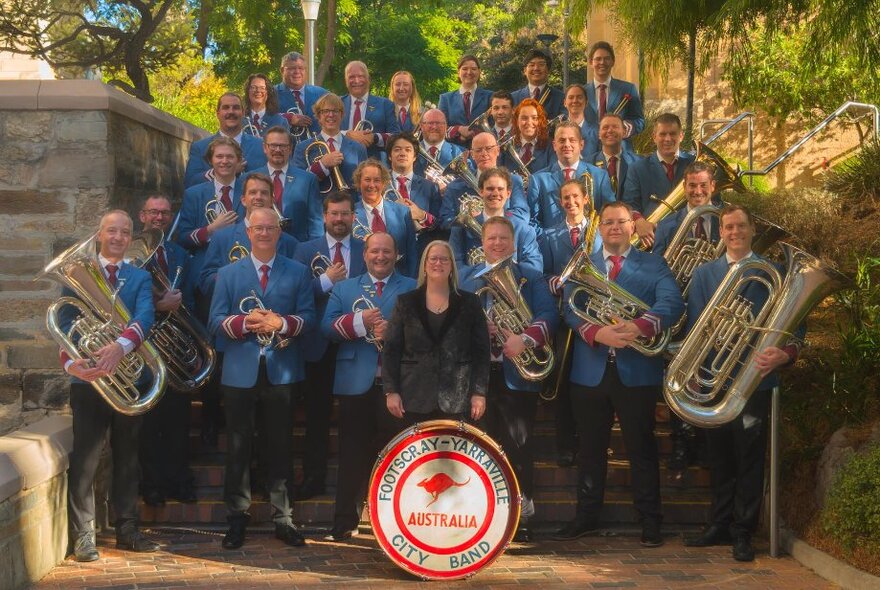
x=362, y=304
x=320, y=264
x=360, y=231
x=237, y=252
x=271, y=340
x=251, y=129
x=214, y=209
x=297, y=131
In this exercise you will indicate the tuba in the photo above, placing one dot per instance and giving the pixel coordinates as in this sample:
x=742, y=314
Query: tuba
x=179, y=337
x=102, y=318
x=712, y=377
x=335, y=176
x=509, y=311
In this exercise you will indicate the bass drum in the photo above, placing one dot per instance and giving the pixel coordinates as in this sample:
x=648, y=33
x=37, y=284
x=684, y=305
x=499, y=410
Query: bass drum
x=443, y=500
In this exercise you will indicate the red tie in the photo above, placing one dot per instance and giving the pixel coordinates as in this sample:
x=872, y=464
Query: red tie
x=299, y=102
x=401, y=187
x=402, y=116
x=537, y=93
x=568, y=172
x=575, y=234
x=277, y=188
x=467, y=106
x=337, y=258
x=224, y=197
x=160, y=257
x=699, y=230
x=331, y=144
x=378, y=224
x=256, y=120
x=602, y=101
x=433, y=150
x=527, y=153
x=616, y=264
x=612, y=172
x=111, y=274
x=379, y=286
x=264, y=276
x=501, y=134
x=357, y=113
x=670, y=170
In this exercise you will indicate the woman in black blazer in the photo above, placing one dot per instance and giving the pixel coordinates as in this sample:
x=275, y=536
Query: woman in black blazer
x=435, y=359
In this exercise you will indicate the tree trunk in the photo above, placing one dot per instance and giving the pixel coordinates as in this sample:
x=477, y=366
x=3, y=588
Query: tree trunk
x=329, y=44
x=692, y=72
x=205, y=8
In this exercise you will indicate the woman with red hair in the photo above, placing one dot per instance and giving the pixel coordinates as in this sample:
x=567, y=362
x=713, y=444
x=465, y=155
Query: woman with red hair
x=530, y=138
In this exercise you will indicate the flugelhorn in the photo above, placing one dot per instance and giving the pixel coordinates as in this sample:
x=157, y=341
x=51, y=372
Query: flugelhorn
x=335, y=176
x=250, y=128
x=712, y=377
x=102, y=318
x=271, y=340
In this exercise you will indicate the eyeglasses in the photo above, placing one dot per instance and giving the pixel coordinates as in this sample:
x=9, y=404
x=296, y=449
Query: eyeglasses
x=329, y=111
x=610, y=222
x=278, y=146
x=158, y=212
x=483, y=150
x=439, y=259
x=257, y=88
x=264, y=229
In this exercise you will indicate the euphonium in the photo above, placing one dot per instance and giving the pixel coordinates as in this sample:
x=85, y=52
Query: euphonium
x=509, y=311
x=509, y=145
x=458, y=168
x=434, y=170
x=711, y=379
x=335, y=173
x=180, y=338
x=686, y=252
x=606, y=300
x=481, y=123
x=267, y=340
x=102, y=318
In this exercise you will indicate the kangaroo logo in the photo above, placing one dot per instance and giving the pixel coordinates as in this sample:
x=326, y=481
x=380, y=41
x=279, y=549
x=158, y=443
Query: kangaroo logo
x=439, y=483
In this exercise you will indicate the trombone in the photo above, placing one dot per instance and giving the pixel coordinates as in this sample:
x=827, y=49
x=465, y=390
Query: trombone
x=271, y=340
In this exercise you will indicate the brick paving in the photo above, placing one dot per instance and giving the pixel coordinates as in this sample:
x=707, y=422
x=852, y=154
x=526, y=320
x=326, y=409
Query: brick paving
x=193, y=560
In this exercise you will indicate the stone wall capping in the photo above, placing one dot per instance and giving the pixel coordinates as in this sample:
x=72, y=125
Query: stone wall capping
x=34, y=454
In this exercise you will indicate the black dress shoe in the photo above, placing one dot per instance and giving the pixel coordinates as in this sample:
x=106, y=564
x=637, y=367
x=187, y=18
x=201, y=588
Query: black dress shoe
x=576, y=529
x=308, y=489
x=289, y=534
x=712, y=535
x=136, y=542
x=234, y=538
x=84, y=548
x=742, y=548
x=523, y=534
x=341, y=533
x=565, y=459
x=651, y=536
x=154, y=498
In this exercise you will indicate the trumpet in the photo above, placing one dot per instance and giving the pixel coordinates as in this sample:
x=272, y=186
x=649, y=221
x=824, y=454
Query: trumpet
x=237, y=252
x=271, y=340
x=362, y=304
x=335, y=176
x=319, y=264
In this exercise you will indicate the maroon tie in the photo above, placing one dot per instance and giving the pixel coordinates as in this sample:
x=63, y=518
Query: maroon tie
x=256, y=120
x=527, y=153
x=616, y=264
x=264, y=276
x=357, y=113
x=378, y=224
x=501, y=134
x=163, y=262
x=568, y=172
x=402, y=116
x=670, y=170
x=111, y=274
x=612, y=166
x=299, y=102
x=699, y=230
x=379, y=286
x=575, y=234
x=337, y=258
x=537, y=93
x=331, y=144
x=225, y=198
x=433, y=150
x=602, y=101
x=277, y=188
x=467, y=106
x=401, y=187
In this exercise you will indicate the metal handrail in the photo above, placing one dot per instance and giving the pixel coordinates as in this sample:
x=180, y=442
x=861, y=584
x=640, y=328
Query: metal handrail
x=728, y=125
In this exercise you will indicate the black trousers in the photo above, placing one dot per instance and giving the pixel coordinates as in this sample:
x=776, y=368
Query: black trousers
x=737, y=453
x=269, y=406
x=365, y=427
x=510, y=420
x=566, y=427
x=594, y=409
x=164, y=444
x=93, y=419
x=318, y=397
x=210, y=391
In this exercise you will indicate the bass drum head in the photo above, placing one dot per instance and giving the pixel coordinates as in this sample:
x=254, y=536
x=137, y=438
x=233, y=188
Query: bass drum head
x=443, y=500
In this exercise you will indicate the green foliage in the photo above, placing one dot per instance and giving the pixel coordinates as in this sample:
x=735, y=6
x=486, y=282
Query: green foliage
x=189, y=90
x=857, y=179
x=852, y=514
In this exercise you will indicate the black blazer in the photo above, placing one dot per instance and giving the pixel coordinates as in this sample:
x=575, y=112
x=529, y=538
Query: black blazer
x=432, y=371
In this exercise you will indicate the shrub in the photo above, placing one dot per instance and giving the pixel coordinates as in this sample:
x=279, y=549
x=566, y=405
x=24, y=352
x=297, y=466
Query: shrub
x=857, y=179
x=852, y=513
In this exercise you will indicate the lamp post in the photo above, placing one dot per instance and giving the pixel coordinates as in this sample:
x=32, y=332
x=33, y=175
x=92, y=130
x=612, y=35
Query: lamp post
x=310, y=13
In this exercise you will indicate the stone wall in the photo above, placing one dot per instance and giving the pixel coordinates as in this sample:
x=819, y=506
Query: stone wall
x=69, y=150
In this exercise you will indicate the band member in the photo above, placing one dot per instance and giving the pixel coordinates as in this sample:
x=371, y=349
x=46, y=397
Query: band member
x=407, y=102
x=360, y=105
x=657, y=174
x=420, y=195
x=611, y=156
x=343, y=151
x=437, y=331
x=93, y=418
x=699, y=186
x=495, y=192
x=359, y=329
x=233, y=243
x=346, y=258
x=485, y=153
x=737, y=449
x=530, y=137
x=513, y=401
x=605, y=94
x=230, y=113
x=261, y=104
x=467, y=103
x=536, y=69
x=543, y=195
x=610, y=377
x=258, y=374
x=296, y=99
x=502, y=114
x=294, y=191
x=433, y=126
x=164, y=452
x=575, y=106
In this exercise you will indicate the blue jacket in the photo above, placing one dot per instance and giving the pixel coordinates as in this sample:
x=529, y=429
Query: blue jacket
x=301, y=203
x=353, y=154
x=197, y=166
x=647, y=277
x=543, y=196
x=309, y=95
x=591, y=141
x=357, y=359
x=305, y=252
x=545, y=317
x=176, y=256
x=626, y=159
x=288, y=294
x=669, y=225
x=541, y=158
x=632, y=114
x=647, y=177
x=516, y=204
x=379, y=112
x=398, y=223
x=527, y=253
x=553, y=106
x=445, y=154
x=267, y=121
x=452, y=105
x=556, y=248
x=426, y=195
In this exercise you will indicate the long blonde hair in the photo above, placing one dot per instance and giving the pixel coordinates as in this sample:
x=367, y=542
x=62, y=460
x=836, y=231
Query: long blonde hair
x=453, y=274
x=415, y=101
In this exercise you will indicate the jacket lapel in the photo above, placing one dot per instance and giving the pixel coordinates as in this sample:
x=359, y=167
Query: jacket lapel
x=275, y=276
x=451, y=313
